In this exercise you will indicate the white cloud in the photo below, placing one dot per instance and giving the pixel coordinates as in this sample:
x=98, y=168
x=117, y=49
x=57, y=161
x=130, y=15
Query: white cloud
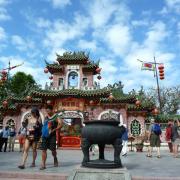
x=43, y=23
x=3, y=35
x=22, y=44
x=60, y=3
x=61, y=31
x=137, y=23
x=52, y=55
x=87, y=45
x=103, y=12
x=156, y=34
x=108, y=72
x=100, y=12
x=3, y=12
x=171, y=6
x=118, y=39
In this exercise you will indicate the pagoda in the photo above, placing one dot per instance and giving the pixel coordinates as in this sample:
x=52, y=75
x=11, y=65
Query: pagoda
x=77, y=97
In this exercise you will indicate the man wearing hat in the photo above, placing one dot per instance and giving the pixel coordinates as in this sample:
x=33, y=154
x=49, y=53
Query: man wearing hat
x=12, y=137
x=1, y=137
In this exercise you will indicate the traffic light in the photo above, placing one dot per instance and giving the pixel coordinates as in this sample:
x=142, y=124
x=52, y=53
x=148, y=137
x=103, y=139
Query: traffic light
x=161, y=71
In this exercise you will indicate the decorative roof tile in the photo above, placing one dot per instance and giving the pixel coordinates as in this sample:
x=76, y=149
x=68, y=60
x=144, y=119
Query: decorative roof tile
x=71, y=92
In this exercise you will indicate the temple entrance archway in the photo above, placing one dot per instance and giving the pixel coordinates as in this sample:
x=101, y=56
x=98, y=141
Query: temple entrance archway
x=27, y=114
x=110, y=114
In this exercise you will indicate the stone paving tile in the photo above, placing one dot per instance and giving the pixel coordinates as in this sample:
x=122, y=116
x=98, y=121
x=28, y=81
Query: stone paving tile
x=137, y=163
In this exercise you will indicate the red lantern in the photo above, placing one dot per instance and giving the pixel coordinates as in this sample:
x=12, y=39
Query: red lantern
x=111, y=97
x=28, y=98
x=161, y=71
x=46, y=70
x=99, y=77
x=91, y=102
x=98, y=70
x=4, y=72
x=48, y=102
x=4, y=78
x=161, y=66
x=51, y=77
x=5, y=103
x=138, y=103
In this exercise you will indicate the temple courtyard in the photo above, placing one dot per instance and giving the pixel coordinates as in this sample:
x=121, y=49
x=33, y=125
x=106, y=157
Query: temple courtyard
x=139, y=166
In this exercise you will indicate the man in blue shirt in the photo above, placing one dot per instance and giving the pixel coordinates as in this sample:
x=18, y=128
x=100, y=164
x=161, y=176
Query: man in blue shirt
x=5, y=137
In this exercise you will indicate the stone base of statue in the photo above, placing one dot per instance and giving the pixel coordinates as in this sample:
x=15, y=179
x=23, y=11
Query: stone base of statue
x=101, y=163
x=82, y=173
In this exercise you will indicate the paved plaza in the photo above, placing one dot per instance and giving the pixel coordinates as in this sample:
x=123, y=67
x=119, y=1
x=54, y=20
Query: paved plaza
x=137, y=163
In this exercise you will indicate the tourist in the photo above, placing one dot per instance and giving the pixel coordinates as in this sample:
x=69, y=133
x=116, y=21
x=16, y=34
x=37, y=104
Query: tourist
x=34, y=126
x=168, y=136
x=5, y=137
x=124, y=141
x=149, y=135
x=175, y=138
x=22, y=136
x=1, y=137
x=12, y=137
x=154, y=138
x=52, y=123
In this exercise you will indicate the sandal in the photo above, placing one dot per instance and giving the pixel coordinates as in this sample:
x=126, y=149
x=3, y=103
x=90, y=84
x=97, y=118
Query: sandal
x=158, y=156
x=55, y=162
x=42, y=168
x=148, y=155
x=21, y=166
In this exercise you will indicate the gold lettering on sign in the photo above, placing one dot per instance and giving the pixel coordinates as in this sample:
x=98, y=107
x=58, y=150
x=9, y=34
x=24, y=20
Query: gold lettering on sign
x=70, y=104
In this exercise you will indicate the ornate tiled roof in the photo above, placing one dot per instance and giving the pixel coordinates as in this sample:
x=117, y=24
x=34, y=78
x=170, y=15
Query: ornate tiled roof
x=54, y=67
x=10, y=107
x=73, y=57
x=71, y=92
x=122, y=99
x=148, y=107
x=25, y=100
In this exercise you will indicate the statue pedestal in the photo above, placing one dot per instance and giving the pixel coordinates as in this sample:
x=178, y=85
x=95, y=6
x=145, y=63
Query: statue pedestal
x=83, y=173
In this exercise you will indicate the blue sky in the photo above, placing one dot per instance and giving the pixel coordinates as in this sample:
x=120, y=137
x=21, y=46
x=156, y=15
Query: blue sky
x=118, y=32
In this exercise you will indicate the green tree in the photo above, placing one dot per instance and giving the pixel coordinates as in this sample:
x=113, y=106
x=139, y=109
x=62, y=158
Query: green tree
x=20, y=83
x=170, y=98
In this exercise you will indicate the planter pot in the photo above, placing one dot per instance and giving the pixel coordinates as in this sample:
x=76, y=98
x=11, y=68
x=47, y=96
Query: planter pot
x=139, y=148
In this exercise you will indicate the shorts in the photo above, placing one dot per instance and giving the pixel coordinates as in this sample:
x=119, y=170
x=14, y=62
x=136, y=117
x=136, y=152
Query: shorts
x=48, y=143
x=176, y=142
x=155, y=140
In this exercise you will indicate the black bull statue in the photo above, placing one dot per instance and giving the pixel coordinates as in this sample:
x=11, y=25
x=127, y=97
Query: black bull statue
x=102, y=132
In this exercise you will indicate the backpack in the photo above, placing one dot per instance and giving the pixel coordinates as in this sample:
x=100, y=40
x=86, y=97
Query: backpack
x=45, y=129
x=156, y=129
